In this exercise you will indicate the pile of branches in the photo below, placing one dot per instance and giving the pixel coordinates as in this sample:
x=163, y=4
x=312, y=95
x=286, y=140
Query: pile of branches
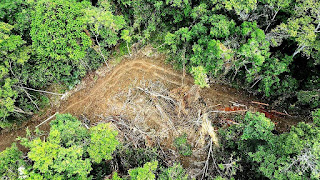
x=148, y=115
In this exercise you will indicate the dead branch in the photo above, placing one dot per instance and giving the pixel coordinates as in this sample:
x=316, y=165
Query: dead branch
x=183, y=62
x=31, y=89
x=47, y=119
x=89, y=35
x=164, y=115
x=214, y=106
x=255, y=102
x=86, y=126
x=207, y=128
x=229, y=121
x=85, y=121
x=237, y=111
x=156, y=94
x=18, y=110
x=238, y=104
x=199, y=116
x=128, y=49
x=100, y=52
x=165, y=158
x=31, y=99
x=206, y=165
x=283, y=114
x=99, y=48
x=115, y=126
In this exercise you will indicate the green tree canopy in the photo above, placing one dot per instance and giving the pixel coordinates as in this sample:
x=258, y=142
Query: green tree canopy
x=12, y=53
x=63, y=154
x=59, y=40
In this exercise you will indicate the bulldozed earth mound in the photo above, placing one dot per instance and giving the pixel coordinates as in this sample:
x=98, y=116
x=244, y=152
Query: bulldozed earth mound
x=151, y=104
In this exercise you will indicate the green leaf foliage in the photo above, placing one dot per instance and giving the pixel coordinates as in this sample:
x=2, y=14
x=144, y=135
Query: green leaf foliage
x=50, y=158
x=144, y=173
x=200, y=77
x=59, y=40
x=115, y=176
x=311, y=98
x=257, y=127
x=11, y=161
x=103, y=142
x=303, y=26
x=182, y=145
x=12, y=53
x=316, y=117
x=64, y=155
x=291, y=155
x=176, y=172
x=71, y=130
x=57, y=30
x=16, y=13
x=104, y=25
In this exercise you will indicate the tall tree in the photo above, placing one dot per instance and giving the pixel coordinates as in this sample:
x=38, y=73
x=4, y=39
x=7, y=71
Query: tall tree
x=304, y=28
x=58, y=37
x=12, y=52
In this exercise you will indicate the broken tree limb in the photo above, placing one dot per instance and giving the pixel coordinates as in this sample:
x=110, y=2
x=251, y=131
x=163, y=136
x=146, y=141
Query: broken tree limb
x=237, y=104
x=89, y=35
x=164, y=115
x=31, y=89
x=229, y=121
x=47, y=119
x=156, y=94
x=100, y=52
x=31, y=99
x=280, y=113
x=207, y=128
x=255, y=102
x=206, y=165
x=272, y=20
x=237, y=111
x=18, y=110
x=86, y=126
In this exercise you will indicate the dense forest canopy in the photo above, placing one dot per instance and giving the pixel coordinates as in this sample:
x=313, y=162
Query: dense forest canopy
x=270, y=48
